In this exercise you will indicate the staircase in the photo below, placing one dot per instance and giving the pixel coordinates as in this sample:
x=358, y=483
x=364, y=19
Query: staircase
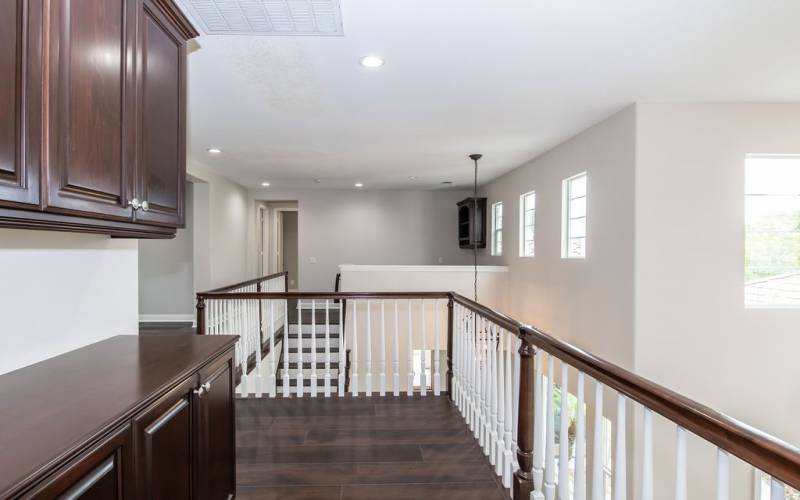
x=299, y=359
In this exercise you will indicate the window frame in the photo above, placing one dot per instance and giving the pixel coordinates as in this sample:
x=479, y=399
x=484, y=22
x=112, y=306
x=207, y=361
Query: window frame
x=495, y=230
x=522, y=210
x=566, y=197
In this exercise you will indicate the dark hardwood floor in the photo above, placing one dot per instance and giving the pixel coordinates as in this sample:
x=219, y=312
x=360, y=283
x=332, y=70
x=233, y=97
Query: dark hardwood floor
x=359, y=448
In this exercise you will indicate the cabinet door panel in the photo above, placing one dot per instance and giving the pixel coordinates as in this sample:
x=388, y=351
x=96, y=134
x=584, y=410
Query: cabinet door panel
x=217, y=477
x=90, y=88
x=161, y=169
x=103, y=472
x=164, y=448
x=20, y=98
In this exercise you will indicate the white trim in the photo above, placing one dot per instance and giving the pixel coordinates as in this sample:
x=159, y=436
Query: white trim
x=495, y=229
x=415, y=269
x=167, y=318
x=521, y=237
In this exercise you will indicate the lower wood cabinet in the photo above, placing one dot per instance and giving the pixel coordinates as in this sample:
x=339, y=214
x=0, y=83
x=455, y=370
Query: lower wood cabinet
x=174, y=442
x=185, y=441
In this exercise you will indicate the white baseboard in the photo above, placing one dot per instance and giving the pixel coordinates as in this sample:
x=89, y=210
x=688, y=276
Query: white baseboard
x=167, y=318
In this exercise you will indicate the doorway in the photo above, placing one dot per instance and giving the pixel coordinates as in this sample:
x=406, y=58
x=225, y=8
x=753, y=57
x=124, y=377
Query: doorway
x=279, y=239
x=287, y=246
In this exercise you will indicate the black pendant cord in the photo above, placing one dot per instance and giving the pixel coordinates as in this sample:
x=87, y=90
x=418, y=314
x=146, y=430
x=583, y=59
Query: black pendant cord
x=475, y=158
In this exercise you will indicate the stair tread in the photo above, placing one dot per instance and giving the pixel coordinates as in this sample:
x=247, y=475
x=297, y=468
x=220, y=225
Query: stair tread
x=307, y=382
x=293, y=336
x=307, y=366
x=307, y=350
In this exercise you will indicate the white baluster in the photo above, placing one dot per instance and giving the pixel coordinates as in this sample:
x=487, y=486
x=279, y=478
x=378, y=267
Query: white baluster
x=300, y=388
x=487, y=396
x=328, y=348
x=423, y=351
x=354, y=352
x=508, y=454
x=723, y=475
x=257, y=327
x=272, y=383
x=481, y=360
x=620, y=461
x=647, y=455
x=437, y=383
x=776, y=490
x=342, y=349
x=396, y=351
x=369, y=350
x=598, y=491
x=242, y=330
x=501, y=405
x=491, y=442
x=680, y=464
x=470, y=371
x=382, y=380
x=517, y=363
x=410, y=359
x=285, y=342
x=563, y=438
x=550, y=445
x=313, y=348
x=580, y=443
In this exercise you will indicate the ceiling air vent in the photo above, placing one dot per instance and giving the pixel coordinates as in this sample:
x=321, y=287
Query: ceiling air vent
x=266, y=17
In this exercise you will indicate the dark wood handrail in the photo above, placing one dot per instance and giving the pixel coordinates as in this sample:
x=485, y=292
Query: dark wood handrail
x=765, y=452
x=246, y=283
x=323, y=295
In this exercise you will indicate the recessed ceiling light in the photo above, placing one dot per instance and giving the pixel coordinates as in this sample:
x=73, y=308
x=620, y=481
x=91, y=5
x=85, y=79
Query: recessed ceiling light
x=359, y=184
x=318, y=181
x=214, y=151
x=412, y=177
x=265, y=184
x=447, y=183
x=371, y=61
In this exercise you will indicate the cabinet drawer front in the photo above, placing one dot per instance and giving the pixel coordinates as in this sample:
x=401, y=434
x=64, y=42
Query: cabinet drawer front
x=162, y=159
x=20, y=103
x=102, y=472
x=89, y=118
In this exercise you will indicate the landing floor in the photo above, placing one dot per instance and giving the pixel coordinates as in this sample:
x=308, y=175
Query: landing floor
x=359, y=448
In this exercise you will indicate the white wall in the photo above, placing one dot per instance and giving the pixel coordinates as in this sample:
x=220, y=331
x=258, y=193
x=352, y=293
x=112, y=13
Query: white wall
x=61, y=291
x=587, y=302
x=166, y=288
x=693, y=333
x=225, y=228
x=366, y=227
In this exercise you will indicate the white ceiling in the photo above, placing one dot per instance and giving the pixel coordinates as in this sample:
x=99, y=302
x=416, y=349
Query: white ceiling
x=506, y=78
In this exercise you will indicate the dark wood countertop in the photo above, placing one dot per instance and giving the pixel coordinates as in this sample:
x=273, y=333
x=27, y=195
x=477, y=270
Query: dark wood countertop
x=51, y=409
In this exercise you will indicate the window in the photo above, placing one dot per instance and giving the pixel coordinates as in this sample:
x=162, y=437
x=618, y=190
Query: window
x=527, y=223
x=497, y=228
x=573, y=245
x=772, y=231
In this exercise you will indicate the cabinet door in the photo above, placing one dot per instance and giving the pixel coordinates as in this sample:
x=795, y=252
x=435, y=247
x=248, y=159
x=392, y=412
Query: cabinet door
x=216, y=478
x=103, y=472
x=20, y=102
x=161, y=167
x=90, y=86
x=163, y=436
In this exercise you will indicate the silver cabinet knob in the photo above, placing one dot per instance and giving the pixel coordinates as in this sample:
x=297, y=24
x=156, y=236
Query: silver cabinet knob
x=199, y=391
x=207, y=386
x=145, y=206
x=134, y=204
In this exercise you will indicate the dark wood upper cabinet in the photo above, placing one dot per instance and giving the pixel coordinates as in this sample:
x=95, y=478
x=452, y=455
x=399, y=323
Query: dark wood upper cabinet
x=96, y=92
x=472, y=223
x=20, y=103
x=162, y=96
x=91, y=88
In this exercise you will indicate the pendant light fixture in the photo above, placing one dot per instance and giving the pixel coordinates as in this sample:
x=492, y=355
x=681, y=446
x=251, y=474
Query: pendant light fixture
x=475, y=157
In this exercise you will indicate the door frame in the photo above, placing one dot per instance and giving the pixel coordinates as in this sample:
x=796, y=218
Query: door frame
x=277, y=237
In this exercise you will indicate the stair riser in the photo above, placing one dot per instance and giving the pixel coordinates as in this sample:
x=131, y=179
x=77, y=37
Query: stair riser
x=318, y=329
x=308, y=372
x=295, y=358
x=320, y=343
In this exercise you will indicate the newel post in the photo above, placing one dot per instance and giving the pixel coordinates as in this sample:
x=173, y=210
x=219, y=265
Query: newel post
x=523, y=478
x=450, y=347
x=201, y=316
